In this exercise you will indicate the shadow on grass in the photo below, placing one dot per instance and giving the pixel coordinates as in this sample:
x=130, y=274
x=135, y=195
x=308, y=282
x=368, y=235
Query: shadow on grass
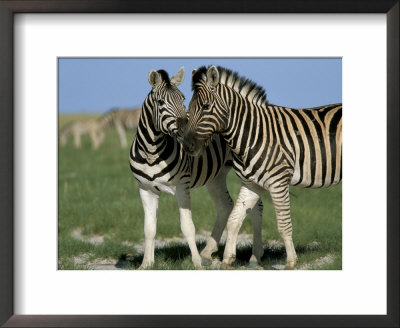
x=176, y=253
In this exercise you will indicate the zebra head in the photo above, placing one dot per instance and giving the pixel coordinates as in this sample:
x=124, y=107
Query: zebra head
x=208, y=113
x=167, y=100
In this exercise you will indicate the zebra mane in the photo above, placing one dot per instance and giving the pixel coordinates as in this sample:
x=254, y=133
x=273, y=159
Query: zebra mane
x=242, y=85
x=165, y=77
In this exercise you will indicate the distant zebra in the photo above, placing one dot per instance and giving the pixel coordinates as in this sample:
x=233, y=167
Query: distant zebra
x=273, y=147
x=122, y=119
x=159, y=164
x=79, y=128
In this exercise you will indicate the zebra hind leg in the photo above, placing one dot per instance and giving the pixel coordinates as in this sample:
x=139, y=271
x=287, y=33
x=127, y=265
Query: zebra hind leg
x=258, y=248
x=224, y=204
x=246, y=200
x=281, y=201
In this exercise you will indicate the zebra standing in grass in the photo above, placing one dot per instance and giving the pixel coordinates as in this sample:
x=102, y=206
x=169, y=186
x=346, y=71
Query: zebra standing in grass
x=159, y=164
x=122, y=119
x=79, y=128
x=273, y=147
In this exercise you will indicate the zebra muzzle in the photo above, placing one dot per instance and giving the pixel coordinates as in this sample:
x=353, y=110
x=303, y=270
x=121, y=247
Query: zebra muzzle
x=190, y=143
x=181, y=123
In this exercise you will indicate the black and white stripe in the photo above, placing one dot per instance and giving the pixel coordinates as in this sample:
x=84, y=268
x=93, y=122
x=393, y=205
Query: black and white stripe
x=273, y=146
x=156, y=155
x=159, y=164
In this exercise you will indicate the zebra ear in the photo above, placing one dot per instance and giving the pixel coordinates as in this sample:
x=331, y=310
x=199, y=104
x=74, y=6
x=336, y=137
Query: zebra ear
x=154, y=78
x=178, y=78
x=212, y=76
x=194, y=71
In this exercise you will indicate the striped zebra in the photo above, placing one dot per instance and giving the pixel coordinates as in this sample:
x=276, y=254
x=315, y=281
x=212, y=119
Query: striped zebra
x=159, y=164
x=273, y=147
x=79, y=128
x=122, y=119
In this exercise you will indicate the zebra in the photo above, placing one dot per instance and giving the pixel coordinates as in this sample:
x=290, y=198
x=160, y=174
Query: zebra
x=79, y=128
x=273, y=147
x=122, y=119
x=159, y=164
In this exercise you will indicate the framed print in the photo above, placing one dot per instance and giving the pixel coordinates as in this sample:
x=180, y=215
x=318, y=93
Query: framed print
x=44, y=281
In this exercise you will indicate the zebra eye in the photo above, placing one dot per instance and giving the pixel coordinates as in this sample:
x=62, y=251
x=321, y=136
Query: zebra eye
x=205, y=106
x=160, y=102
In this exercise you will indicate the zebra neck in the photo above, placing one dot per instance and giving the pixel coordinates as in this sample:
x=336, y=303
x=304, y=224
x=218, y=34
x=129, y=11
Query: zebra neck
x=238, y=124
x=107, y=119
x=146, y=122
x=149, y=142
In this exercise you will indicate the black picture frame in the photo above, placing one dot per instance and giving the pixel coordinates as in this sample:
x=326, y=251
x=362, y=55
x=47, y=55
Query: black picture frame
x=7, y=10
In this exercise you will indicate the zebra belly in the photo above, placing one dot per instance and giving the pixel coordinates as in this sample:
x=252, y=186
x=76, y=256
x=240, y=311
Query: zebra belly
x=150, y=178
x=157, y=185
x=209, y=164
x=306, y=179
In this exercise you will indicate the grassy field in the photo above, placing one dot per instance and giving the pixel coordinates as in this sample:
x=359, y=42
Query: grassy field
x=100, y=217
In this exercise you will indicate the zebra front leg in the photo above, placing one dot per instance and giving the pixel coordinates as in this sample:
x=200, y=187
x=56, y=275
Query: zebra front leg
x=281, y=201
x=95, y=140
x=223, y=203
x=150, y=207
x=77, y=139
x=121, y=133
x=258, y=248
x=187, y=226
x=100, y=137
x=245, y=202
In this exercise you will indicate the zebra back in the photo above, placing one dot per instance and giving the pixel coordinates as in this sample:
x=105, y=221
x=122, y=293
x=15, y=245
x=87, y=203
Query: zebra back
x=271, y=144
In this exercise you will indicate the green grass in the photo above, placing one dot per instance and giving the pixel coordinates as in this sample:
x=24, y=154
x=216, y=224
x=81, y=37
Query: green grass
x=98, y=196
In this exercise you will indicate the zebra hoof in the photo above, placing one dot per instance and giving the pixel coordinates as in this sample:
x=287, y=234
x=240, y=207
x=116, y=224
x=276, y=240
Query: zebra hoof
x=254, y=265
x=144, y=267
x=290, y=266
x=206, y=261
x=197, y=264
x=226, y=266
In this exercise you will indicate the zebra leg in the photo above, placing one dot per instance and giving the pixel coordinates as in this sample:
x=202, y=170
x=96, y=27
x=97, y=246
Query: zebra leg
x=100, y=137
x=150, y=206
x=258, y=248
x=77, y=139
x=95, y=140
x=121, y=132
x=281, y=201
x=246, y=200
x=223, y=203
x=187, y=226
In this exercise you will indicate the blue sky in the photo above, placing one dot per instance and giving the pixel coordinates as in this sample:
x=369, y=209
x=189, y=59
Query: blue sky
x=95, y=85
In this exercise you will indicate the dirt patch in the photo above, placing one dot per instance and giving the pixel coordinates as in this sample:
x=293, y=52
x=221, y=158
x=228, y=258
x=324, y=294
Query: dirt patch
x=312, y=246
x=82, y=259
x=244, y=240
x=103, y=264
x=318, y=263
x=94, y=239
